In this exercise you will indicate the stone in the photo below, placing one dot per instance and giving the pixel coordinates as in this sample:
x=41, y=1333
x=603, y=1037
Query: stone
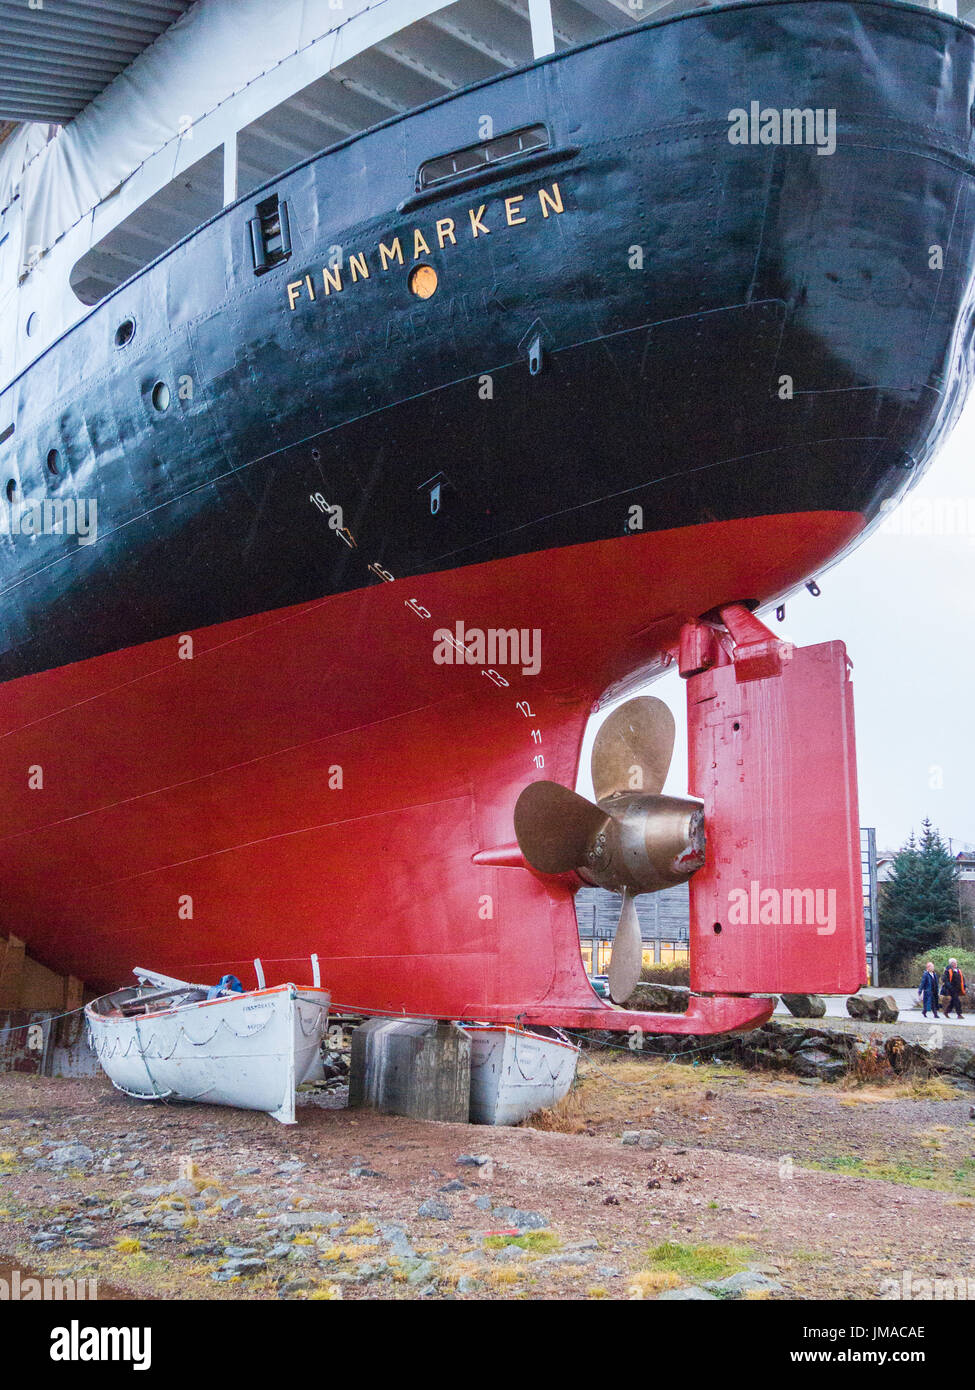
x=815, y=1062
x=297, y=1285
x=692, y=1294
x=483, y=1202
x=747, y=1281
x=473, y=1160
x=72, y=1156
x=568, y=1257
x=307, y=1220
x=510, y=1254
x=435, y=1209
x=660, y=998
x=649, y=1139
x=230, y=1206
x=805, y=1005
x=952, y=1058
x=278, y=1252
x=249, y=1266
x=468, y=1284
x=455, y=1185
x=239, y=1252
x=182, y=1187
x=422, y=1273
x=360, y=1171
x=870, y=1010
x=523, y=1220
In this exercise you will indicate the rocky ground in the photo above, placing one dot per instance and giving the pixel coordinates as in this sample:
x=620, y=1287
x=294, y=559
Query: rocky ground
x=653, y=1179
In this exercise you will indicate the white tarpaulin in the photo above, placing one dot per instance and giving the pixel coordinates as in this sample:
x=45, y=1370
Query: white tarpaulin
x=157, y=103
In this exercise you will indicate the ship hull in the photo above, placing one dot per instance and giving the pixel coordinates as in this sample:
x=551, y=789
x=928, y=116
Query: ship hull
x=314, y=781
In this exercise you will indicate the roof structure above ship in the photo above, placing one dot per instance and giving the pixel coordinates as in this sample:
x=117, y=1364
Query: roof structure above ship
x=236, y=91
x=55, y=58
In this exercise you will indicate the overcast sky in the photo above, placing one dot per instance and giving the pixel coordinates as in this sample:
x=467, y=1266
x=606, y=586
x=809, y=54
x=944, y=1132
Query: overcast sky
x=904, y=604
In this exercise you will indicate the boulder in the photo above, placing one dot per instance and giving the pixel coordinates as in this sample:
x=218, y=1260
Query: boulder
x=658, y=998
x=958, y=1060
x=870, y=1010
x=816, y=1062
x=907, y=1058
x=805, y=1005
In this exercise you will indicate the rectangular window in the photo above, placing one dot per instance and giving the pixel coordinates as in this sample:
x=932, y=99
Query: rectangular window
x=474, y=157
x=270, y=233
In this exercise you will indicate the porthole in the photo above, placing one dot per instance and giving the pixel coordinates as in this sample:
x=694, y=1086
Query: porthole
x=31, y=325
x=423, y=281
x=125, y=332
x=54, y=463
x=160, y=396
x=11, y=489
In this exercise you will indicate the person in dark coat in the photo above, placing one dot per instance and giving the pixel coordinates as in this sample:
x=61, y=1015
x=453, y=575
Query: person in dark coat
x=929, y=989
x=953, y=985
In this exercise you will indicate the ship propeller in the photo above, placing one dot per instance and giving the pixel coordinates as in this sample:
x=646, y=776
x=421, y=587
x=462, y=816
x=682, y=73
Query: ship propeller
x=633, y=840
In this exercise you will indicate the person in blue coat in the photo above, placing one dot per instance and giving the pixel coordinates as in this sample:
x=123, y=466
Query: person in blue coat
x=929, y=990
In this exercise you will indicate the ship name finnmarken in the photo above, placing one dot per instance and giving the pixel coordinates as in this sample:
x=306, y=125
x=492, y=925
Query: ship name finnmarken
x=417, y=244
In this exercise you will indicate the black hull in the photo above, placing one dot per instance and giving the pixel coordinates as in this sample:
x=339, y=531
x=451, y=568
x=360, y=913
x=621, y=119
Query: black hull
x=660, y=388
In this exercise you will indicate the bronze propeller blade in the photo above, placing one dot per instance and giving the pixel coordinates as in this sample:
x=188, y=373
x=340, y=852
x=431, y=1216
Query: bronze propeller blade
x=633, y=749
x=554, y=826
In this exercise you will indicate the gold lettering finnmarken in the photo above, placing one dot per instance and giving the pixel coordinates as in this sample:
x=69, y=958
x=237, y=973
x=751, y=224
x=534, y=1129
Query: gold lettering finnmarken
x=445, y=233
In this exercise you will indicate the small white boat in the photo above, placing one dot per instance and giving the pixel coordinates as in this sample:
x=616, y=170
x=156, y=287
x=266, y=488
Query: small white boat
x=168, y=1039
x=516, y=1072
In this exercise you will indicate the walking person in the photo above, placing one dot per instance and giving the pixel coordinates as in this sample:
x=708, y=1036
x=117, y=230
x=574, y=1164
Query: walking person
x=929, y=989
x=952, y=988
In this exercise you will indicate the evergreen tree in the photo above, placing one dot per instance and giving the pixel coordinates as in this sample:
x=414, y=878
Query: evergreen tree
x=919, y=900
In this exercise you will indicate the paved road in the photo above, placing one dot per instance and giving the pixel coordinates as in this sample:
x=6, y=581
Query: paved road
x=910, y=1011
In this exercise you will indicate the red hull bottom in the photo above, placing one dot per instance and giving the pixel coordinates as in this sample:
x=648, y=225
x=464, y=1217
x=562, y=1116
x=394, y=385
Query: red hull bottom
x=311, y=780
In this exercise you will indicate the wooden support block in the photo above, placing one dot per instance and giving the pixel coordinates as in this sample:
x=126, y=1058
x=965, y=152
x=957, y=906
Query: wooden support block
x=11, y=973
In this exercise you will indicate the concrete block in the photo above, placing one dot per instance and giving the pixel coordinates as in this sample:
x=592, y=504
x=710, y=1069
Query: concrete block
x=412, y=1067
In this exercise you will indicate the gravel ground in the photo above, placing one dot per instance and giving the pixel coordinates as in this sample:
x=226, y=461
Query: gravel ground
x=338, y=1205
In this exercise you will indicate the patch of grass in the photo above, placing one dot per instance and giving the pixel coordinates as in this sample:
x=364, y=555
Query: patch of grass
x=127, y=1245
x=696, y=1262
x=361, y=1228
x=648, y=1282
x=930, y=1174
x=597, y=1291
x=504, y=1275
x=542, y=1242
x=617, y=1088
